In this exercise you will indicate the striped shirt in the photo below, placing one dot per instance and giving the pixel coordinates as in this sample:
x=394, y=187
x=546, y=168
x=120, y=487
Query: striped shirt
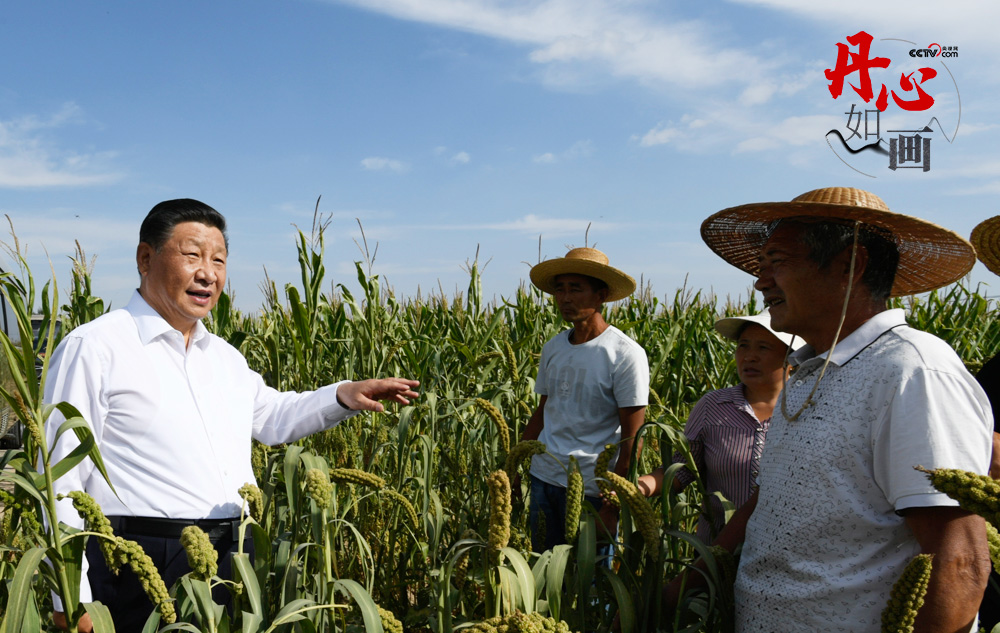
x=726, y=440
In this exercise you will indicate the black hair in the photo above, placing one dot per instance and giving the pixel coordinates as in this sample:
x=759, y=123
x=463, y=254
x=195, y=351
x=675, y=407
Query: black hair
x=161, y=220
x=826, y=239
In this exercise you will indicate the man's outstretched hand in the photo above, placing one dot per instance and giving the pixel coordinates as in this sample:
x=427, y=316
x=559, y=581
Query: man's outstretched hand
x=364, y=395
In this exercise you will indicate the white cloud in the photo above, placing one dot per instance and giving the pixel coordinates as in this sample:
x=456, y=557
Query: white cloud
x=974, y=20
x=534, y=225
x=29, y=160
x=580, y=149
x=660, y=135
x=377, y=163
x=630, y=40
x=461, y=157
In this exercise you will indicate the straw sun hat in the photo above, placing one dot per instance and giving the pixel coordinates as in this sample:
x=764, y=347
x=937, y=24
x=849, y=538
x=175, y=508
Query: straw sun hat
x=986, y=238
x=583, y=261
x=730, y=327
x=930, y=256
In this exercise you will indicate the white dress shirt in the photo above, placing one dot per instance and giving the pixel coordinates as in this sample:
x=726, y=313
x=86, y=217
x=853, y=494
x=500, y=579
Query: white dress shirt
x=173, y=424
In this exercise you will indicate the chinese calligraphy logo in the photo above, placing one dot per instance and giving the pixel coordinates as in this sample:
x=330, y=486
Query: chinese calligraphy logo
x=911, y=90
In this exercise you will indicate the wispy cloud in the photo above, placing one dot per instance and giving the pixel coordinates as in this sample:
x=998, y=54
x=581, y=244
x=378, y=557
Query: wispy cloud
x=975, y=20
x=28, y=159
x=580, y=149
x=631, y=40
x=461, y=158
x=377, y=163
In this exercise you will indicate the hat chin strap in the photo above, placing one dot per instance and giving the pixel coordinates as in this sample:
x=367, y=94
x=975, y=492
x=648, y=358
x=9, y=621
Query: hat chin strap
x=836, y=337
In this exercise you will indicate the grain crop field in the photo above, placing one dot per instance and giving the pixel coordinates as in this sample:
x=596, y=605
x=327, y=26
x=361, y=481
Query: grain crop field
x=404, y=520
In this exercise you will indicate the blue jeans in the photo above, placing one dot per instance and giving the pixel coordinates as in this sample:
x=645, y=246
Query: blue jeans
x=549, y=500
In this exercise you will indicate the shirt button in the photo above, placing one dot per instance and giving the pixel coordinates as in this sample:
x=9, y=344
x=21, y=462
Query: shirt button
x=798, y=383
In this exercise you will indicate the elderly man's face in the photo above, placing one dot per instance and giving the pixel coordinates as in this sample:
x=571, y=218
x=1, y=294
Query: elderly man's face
x=183, y=280
x=803, y=299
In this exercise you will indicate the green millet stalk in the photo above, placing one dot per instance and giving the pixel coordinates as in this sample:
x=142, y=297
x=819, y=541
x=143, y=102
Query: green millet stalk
x=574, y=499
x=318, y=487
x=398, y=345
x=655, y=397
x=31, y=424
x=976, y=493
x=499, y=534
x=202, y=557
x=993, y=540
x=255, y=500
x=486, y=357
x=143, y=567
x=521, y=452
x=358, y=477
x=907, y=596
x=524, y=408
x=258, y=459
x=389, y=622
x=494, y=414
x=726, y=562
x=411, y=512
x=519, y=622
x=600, y=470
x=508, y=353
x=94, y=518
x=646, y=518
x=461, y=570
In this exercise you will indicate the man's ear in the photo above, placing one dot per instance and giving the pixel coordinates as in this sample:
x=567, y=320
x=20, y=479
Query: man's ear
x=860, y=263
x=143, y=255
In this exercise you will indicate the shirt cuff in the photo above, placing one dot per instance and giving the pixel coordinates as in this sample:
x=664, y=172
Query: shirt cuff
x=334, y=411
x=930, y=500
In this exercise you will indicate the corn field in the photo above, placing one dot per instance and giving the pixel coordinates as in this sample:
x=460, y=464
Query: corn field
x=404, y=520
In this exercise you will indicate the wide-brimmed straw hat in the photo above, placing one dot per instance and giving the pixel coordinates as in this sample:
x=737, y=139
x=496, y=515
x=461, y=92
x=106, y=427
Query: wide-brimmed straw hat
x=986, y=238
x=583, y=261
x=930, y=256
x=730, y=327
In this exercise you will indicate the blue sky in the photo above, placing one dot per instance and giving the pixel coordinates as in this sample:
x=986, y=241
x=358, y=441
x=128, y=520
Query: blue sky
x=450, y=125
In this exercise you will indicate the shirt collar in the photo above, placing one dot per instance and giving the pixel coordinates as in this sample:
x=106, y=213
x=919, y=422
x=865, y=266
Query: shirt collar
x=151, y=325
x=856, y=341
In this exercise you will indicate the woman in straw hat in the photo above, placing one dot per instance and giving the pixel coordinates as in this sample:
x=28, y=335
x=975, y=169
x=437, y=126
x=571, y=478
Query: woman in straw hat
x=840, y=509
x=986, y=239
x=594, y=383
x=727, y=427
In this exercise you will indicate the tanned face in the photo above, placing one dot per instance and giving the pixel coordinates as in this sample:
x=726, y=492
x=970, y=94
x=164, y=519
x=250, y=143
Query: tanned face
x=576, y=298
x=182, y=280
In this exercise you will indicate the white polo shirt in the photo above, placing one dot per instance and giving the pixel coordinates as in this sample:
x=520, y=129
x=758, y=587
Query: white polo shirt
x=825, y=543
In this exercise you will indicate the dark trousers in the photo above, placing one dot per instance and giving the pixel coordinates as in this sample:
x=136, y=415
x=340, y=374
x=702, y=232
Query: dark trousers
x=989, y=612
x=123, y=593
x=549, y=501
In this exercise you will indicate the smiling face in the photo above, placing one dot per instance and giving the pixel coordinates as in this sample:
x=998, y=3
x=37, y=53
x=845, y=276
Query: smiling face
x=760, y=358
x=803, y=299
x=182, y=280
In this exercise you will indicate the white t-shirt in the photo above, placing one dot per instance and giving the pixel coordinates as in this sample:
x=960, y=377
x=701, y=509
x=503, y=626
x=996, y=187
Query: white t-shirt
x=825, y=543
x=585, y=386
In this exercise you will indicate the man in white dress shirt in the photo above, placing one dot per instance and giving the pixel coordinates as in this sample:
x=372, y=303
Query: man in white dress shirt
x=173, y=409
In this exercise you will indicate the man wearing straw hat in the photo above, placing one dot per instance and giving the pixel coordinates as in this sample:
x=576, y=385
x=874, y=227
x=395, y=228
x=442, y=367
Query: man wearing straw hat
x=594, y=385
x=986, y=239
x=840, y=509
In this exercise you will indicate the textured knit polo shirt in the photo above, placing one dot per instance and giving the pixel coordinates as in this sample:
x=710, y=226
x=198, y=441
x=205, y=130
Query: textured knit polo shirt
x=825, y=542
